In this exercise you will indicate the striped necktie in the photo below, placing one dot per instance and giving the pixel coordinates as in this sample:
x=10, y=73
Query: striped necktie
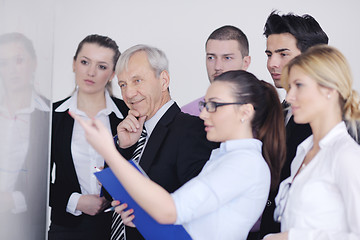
x=139, y=146
x=117, y=226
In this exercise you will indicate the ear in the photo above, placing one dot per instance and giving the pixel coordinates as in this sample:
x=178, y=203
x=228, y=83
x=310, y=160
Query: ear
x=246, y=62
x=328, y=92
x=247, y=111
x=165, y=80
x=111, y=77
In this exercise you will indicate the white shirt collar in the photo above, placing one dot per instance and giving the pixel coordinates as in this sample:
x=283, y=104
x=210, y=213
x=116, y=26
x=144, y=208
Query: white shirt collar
x=151, y=123
x=71, y=104
x=40, y=104
x=241, y=144
x=36, y=102
x=307, y=144
x=340, y=127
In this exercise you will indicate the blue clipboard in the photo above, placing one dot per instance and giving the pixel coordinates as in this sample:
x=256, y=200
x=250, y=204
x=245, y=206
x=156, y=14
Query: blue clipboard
x=147, y=226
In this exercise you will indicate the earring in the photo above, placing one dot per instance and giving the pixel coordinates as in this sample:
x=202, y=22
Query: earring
x=242, y=120
x=328, y=96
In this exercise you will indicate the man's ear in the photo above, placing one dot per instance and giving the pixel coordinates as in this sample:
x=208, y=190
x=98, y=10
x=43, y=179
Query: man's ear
x=246, y=62
x=165, y=80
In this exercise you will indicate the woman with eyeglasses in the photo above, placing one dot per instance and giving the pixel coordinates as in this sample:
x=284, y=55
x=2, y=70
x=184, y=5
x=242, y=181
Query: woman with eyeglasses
x=228, y=196
x=320, y=200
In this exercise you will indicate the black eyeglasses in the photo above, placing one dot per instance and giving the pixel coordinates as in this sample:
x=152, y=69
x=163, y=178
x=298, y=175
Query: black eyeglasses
x=212, y=106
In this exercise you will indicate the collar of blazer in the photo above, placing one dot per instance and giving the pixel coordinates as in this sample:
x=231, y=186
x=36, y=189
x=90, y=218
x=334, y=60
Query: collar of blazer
x=157, y=137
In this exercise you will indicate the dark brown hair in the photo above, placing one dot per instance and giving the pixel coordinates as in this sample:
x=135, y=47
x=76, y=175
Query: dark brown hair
x=102, y=41
x=268, y=121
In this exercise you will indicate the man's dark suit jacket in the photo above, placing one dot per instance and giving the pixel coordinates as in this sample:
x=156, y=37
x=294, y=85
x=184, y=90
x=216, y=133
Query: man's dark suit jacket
x=295, y=134
x=66, y=181
x=175, y=152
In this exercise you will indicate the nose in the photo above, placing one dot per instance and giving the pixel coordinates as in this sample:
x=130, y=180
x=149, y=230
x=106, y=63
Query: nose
x=218, y=64
x=273, y=62
x=204, y=114
x=290, y=96
x=128, y=92
x=91, y=70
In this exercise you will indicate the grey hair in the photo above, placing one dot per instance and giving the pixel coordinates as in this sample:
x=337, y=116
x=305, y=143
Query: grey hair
x=157, y=59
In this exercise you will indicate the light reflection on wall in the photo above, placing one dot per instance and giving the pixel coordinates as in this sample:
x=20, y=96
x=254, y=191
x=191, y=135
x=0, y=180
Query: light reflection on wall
x=24, y=123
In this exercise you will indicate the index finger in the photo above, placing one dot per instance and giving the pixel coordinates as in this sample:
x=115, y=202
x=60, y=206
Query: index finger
x=134, y=113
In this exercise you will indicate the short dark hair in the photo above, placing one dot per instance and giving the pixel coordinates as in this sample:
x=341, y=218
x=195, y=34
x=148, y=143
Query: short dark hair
x=305, y=29
x=102, y=41
x=229, y=32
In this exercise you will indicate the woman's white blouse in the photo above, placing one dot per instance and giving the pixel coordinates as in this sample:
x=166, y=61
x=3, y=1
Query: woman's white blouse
x=228, y=196
x=86, y=159
x=323, y=201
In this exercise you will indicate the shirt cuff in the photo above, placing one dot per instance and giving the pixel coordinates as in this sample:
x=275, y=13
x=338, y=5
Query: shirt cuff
x=72, y=203
x=19, y=203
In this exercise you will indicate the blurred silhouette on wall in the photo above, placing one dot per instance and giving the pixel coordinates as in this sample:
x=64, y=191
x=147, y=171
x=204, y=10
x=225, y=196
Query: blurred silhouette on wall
x=24, y=141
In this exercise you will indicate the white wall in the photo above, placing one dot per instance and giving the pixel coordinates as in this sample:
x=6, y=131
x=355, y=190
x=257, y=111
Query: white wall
x=180, y=28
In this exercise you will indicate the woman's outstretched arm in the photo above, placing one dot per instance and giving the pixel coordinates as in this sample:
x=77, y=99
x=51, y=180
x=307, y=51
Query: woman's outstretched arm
x=150, y=196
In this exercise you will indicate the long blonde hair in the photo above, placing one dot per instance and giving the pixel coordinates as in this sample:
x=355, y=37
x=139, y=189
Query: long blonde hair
x=329, y=68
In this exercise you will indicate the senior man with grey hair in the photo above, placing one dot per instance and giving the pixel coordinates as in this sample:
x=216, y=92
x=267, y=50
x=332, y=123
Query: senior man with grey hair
x=176, y=147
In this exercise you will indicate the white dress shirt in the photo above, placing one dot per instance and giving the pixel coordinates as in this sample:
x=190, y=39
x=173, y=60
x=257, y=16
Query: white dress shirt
x=86, y=159
x=323, y=201
x=228, y=196
x=14, y=144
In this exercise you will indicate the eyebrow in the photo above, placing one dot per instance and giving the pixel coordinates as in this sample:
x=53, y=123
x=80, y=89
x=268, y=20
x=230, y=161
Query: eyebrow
x=212, y=99
x=225, y=54
x=101, y=62
x=278, y=50
x=282, y=50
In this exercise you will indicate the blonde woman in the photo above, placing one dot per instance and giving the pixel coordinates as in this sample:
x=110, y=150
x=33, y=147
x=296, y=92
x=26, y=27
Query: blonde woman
x=320, y=200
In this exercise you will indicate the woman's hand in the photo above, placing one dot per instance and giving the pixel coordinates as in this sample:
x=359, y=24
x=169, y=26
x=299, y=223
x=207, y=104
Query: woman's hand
x=126, y=216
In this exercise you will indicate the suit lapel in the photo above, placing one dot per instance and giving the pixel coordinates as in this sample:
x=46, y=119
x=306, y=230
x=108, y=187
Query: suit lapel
x=66, y=139
x=157, y=137
x=114, y=122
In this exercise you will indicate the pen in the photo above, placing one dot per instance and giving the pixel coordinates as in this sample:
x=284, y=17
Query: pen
x=116, y=140
x=110, y=209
